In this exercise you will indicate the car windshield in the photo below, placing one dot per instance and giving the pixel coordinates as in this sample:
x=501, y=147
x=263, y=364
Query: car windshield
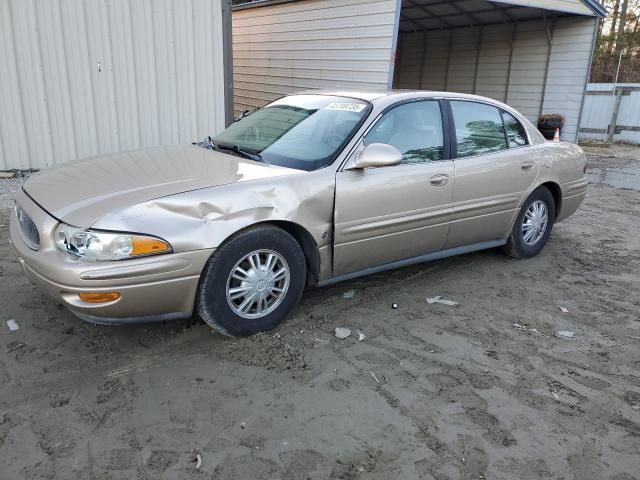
x=305, y=132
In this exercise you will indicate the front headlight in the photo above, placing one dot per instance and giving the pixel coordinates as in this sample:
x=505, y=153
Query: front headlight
x=97, y=245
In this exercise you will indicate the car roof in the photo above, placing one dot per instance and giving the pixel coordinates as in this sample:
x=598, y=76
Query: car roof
x=382, y=99
x=395, y=94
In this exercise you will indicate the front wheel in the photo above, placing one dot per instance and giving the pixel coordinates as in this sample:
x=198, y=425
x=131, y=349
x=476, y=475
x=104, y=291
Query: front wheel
x=533, y=226
x=252, y=282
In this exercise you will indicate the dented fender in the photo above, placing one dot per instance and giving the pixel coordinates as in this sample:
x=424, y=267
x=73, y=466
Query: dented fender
x=206, y=218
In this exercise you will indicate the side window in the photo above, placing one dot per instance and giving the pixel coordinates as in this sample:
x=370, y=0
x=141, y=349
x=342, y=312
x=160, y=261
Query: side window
x=515, y=131
x=479, y=128
x=413, y=128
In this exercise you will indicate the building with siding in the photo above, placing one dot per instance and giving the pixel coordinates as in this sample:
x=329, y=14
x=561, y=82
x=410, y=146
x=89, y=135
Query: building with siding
x=86, y=77
x=532, y=54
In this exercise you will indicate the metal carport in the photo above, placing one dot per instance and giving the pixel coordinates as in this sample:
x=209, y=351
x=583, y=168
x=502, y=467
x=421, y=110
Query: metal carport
x=535, y=55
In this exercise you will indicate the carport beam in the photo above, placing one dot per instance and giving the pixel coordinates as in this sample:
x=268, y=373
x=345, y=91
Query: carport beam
x=449, y=49
x=479, y=49
x=423, y=59
x=513, y=39
x=550, y=33
x=394, y=45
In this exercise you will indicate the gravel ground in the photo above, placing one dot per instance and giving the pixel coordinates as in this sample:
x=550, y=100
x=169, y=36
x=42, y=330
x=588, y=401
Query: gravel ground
x=8, y=186
x=483, y=390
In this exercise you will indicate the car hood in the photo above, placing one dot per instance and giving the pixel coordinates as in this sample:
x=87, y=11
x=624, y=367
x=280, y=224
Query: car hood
x=82, y=191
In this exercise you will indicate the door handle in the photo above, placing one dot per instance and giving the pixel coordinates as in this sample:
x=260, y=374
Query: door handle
x=528, y=165
x=439, y=180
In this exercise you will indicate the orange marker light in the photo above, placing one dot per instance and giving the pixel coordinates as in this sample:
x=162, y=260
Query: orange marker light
x=146, y=246
x=99, y=297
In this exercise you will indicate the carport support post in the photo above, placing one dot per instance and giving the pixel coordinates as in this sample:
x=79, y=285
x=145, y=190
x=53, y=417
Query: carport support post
x=449, y=49
x=513, y=40
x=550, y=32
x=394, y=45
x=475, y=73
x=227, y=61
x=423, y=59
x=614, y=115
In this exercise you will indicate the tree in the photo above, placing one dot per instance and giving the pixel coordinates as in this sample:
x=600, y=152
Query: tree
x=618, y=38
x=620, y=34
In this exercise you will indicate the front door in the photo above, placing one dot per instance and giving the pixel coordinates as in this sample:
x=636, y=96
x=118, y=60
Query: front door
x=392, y=213
x=494, y=168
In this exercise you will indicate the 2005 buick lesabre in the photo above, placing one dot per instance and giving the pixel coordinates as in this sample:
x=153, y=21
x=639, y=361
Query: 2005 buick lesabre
x=311, y=189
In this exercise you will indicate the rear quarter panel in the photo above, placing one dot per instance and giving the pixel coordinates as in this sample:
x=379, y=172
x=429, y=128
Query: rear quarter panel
x=564, y=164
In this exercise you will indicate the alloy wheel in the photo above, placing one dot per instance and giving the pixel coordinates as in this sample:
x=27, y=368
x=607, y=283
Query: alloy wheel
x=258, y=284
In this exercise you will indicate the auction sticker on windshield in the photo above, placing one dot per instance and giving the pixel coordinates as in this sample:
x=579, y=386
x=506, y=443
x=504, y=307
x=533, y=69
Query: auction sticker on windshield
x=346, y=107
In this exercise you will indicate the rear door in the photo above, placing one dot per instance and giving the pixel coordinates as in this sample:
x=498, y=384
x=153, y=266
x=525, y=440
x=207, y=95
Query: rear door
x=494, y=167
x=397, y=212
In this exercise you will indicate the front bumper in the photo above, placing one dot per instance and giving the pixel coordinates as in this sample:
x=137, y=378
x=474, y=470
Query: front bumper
x=152, y=288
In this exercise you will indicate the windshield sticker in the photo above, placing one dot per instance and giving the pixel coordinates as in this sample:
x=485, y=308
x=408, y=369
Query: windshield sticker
x=346, y=107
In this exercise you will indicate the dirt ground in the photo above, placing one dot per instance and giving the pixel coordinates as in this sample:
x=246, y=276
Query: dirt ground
x=483, y=390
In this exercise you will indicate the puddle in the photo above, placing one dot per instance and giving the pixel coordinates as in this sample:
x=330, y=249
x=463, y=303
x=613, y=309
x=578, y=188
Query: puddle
x=627, y=176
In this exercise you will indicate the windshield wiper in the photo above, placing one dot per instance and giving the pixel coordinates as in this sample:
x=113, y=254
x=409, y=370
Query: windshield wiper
x=239, y=150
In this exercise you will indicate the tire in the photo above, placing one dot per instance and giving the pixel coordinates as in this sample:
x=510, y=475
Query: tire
x=518, y=246
x=222, y=294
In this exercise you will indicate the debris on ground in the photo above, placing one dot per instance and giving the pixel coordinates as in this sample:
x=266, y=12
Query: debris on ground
x=439, y=299
x=349, y=294
x=5, y=174
x=566, y=334
x=374, y=377
x=14, y=346
x=564, y=309
x=361, y=336
x=394, y=306
x=342, y=333
x=524, y=328
x=555, y=395
x=198, y=461
x=13, y=325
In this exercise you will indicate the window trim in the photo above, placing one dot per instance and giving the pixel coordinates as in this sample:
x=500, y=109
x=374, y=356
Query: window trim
x=452, y=128
x=526, y=135
x=444, y=115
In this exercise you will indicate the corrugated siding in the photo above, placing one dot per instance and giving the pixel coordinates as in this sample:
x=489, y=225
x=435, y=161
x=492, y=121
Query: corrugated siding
x=568, y=67
x=314, y=44
x=482, y=61
x=161, y=78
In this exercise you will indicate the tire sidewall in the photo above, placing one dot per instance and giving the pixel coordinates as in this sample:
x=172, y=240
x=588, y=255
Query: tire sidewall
x=518, y=244
x=212, y=291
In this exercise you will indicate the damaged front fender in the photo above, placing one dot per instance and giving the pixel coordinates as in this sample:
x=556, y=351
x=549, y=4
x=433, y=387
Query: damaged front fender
x=206, y=218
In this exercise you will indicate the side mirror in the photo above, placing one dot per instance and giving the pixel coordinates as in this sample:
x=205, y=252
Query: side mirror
x=377, y=155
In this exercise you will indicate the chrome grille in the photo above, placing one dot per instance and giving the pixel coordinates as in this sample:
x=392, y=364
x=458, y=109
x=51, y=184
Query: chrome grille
x=28, y=229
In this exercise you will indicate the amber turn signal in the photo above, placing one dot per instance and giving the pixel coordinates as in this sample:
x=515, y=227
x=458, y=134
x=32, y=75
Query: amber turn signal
x=147, y=246
x=99, y=297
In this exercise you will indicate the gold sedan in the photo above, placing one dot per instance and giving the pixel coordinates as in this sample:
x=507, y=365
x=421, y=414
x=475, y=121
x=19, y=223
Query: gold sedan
x=309, y=190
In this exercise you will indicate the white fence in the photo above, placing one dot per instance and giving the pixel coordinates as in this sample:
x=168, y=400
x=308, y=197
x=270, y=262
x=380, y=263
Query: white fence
x=611, y=113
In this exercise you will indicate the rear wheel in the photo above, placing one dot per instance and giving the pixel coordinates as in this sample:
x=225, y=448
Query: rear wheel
x=252, y=282
x=533, y=226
